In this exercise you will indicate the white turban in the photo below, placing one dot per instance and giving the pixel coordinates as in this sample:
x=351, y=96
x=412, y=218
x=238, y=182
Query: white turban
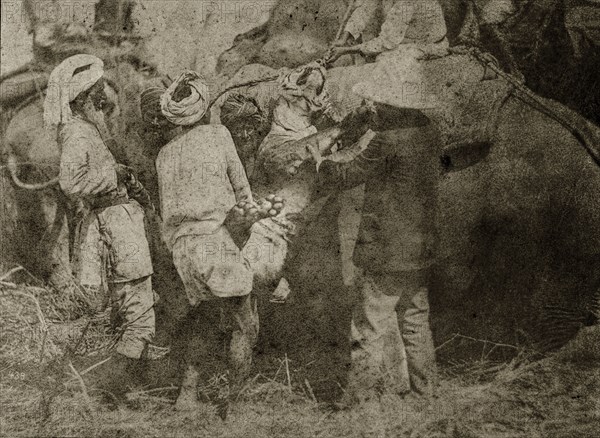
x=191, y=109
x=64, y=86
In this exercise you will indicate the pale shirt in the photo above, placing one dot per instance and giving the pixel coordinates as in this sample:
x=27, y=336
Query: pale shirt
x=87, y=168
x=403, y=22
x=200, y=178
x=87, y=171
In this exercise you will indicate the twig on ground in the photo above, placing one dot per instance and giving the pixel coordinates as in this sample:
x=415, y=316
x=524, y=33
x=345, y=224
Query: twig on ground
x=287, y=372
x=11, y=272
x=8, y=284
x=96, y=365
x=485, y=341
x=41, y=318
x=446, y=342
x=136, y=396
x=83, y=388
x=310, y=390
x=43, y=346
x=149, y=391
x=247, y=385
x=17, y=269
x=323, y=417
x=274, y=379
x=71, y=351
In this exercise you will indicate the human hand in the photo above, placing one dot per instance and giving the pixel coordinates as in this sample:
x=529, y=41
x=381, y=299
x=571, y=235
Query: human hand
x=271, y=206
x=336, y=52
x=245, y=213
x=249, y=211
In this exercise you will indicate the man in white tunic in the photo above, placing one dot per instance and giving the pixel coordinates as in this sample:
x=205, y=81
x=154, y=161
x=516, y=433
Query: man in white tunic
x=201, y=179
x=113, y=253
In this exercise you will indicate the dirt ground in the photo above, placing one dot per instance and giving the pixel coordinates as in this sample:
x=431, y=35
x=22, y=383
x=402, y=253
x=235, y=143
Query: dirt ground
x=524, y=395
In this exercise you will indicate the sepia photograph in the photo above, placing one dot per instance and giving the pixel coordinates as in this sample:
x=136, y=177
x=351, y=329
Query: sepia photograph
x=300, y=218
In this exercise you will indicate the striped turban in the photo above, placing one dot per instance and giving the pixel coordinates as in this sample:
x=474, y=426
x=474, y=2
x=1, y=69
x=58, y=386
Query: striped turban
x=238, y=108
x=190, y=109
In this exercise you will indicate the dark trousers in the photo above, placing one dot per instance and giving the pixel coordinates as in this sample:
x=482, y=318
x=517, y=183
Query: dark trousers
x=221, y=333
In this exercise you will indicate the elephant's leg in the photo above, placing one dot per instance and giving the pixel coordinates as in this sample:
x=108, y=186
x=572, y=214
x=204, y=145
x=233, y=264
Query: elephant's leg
x=55, y=240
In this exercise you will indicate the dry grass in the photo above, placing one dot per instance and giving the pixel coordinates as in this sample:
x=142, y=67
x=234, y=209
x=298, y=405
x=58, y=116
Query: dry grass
x=45, y=395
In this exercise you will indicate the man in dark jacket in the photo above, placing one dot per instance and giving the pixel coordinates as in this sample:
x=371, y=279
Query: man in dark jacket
x=395, y=249
x=396, y=244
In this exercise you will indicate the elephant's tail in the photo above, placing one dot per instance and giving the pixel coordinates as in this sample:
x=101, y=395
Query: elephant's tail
x=13, y=169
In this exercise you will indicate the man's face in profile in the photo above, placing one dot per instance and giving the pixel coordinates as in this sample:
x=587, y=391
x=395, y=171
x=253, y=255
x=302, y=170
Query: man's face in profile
x=246, y=139
x=98, y=96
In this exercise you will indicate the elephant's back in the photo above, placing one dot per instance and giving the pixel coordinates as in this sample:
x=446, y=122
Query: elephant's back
x=452, y=80
x=28, y=139
x=299, y=31
x=314, y=17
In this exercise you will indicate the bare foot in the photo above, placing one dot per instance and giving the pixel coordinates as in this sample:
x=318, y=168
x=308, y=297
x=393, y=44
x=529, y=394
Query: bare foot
x=281, y=292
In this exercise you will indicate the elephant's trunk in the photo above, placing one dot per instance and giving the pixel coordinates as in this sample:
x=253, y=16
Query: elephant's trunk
x=13, y=166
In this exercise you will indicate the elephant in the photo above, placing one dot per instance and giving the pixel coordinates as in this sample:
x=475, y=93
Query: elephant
x=518, y=219
x=510, y=268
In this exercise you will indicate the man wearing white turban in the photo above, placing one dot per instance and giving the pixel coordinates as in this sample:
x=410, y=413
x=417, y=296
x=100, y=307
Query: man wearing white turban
x=201, y=182
x=112, y=253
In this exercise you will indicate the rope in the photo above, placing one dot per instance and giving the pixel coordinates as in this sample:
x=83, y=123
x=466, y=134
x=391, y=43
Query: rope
x=528, y=97
x=243, y=84
x=13, y=169
x=349, y=10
